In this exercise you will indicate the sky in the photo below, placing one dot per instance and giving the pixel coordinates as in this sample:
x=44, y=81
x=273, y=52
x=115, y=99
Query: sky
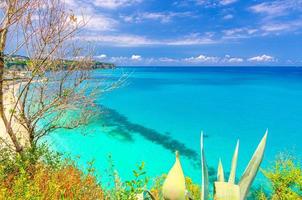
x=193, y=32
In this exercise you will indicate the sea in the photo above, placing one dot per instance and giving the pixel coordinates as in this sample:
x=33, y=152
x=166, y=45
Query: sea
x=154, y=111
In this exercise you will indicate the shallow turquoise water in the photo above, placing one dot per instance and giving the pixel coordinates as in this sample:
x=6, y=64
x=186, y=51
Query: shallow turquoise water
x=159, y=110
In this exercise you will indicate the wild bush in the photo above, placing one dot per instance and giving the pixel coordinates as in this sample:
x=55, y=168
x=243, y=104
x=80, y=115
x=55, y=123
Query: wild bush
x=40, y=174
x=285, y=179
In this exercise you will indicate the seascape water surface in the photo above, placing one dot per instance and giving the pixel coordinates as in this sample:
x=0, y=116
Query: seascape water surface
x=162, y=109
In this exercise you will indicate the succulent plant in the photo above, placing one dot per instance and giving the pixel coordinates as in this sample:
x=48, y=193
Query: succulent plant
x=230, y=190
x=174, y=187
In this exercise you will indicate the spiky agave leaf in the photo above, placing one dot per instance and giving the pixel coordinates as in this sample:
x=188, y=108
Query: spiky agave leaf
x=220, y=173
x=174, y=187
x=204, y=172
x=234, y=165
x=252, y=168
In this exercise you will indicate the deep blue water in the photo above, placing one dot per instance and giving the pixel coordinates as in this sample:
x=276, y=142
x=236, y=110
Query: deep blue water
x=162, y=109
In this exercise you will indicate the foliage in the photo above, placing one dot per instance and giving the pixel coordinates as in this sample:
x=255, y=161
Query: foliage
x=130, y=188
x=259, y=194
x=285, y=178
x=21, y=63
x=157, y=187
x=40, y=174
x=192, y=188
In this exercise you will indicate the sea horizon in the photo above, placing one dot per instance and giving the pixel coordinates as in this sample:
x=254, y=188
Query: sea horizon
x=226, y=66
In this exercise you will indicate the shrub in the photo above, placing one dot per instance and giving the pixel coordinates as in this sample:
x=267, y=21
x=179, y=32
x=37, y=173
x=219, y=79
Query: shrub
x=40, y=174
x=129, y=189
x=285, y=178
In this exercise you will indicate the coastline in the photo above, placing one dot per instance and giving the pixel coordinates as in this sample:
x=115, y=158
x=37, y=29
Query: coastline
x=9, y=102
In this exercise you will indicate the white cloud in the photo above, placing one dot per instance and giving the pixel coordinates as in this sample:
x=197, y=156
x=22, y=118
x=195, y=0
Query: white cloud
x=136, y=40
x=227, y=2
x=275, y=27
x=229, y=59
x=235, y=60
x=190, y=41
x=274, y=20
x=118, y=40
x=163, y=17
x=200, y=2
x=113, y=4
x=208, y=3
x=132, y=60
x=99, y=22
x=120, y=60
x=236, y=33
x=202, y=59
x=136, y=57
x=168, y=60
x=279, y=27
x=277, y=8
x=101, y=57
x=228, y=16
x=275, y=15
x=262, y=58
x=86, y=12
x=264, y=29
x=272, y=9
x=80, y=7
x=70, y=3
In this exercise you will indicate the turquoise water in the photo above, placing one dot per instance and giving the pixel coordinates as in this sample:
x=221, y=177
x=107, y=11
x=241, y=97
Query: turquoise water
x=159, y=110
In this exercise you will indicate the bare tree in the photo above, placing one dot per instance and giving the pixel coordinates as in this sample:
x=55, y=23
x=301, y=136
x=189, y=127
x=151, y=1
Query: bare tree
x=52, y=91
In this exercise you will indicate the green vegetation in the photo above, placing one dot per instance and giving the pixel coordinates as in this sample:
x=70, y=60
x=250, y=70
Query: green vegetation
x=19, y=63
x=285, y=178
x=41, y=174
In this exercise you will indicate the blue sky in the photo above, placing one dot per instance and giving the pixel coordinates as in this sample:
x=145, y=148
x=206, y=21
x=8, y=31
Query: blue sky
x=193, y=32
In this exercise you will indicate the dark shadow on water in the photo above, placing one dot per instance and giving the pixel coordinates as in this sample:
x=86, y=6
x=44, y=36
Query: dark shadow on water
x=120, y=134
x=123, y=128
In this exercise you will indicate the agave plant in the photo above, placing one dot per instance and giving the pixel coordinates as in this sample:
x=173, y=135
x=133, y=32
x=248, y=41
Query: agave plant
x=174, y=187
x=231, y=191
